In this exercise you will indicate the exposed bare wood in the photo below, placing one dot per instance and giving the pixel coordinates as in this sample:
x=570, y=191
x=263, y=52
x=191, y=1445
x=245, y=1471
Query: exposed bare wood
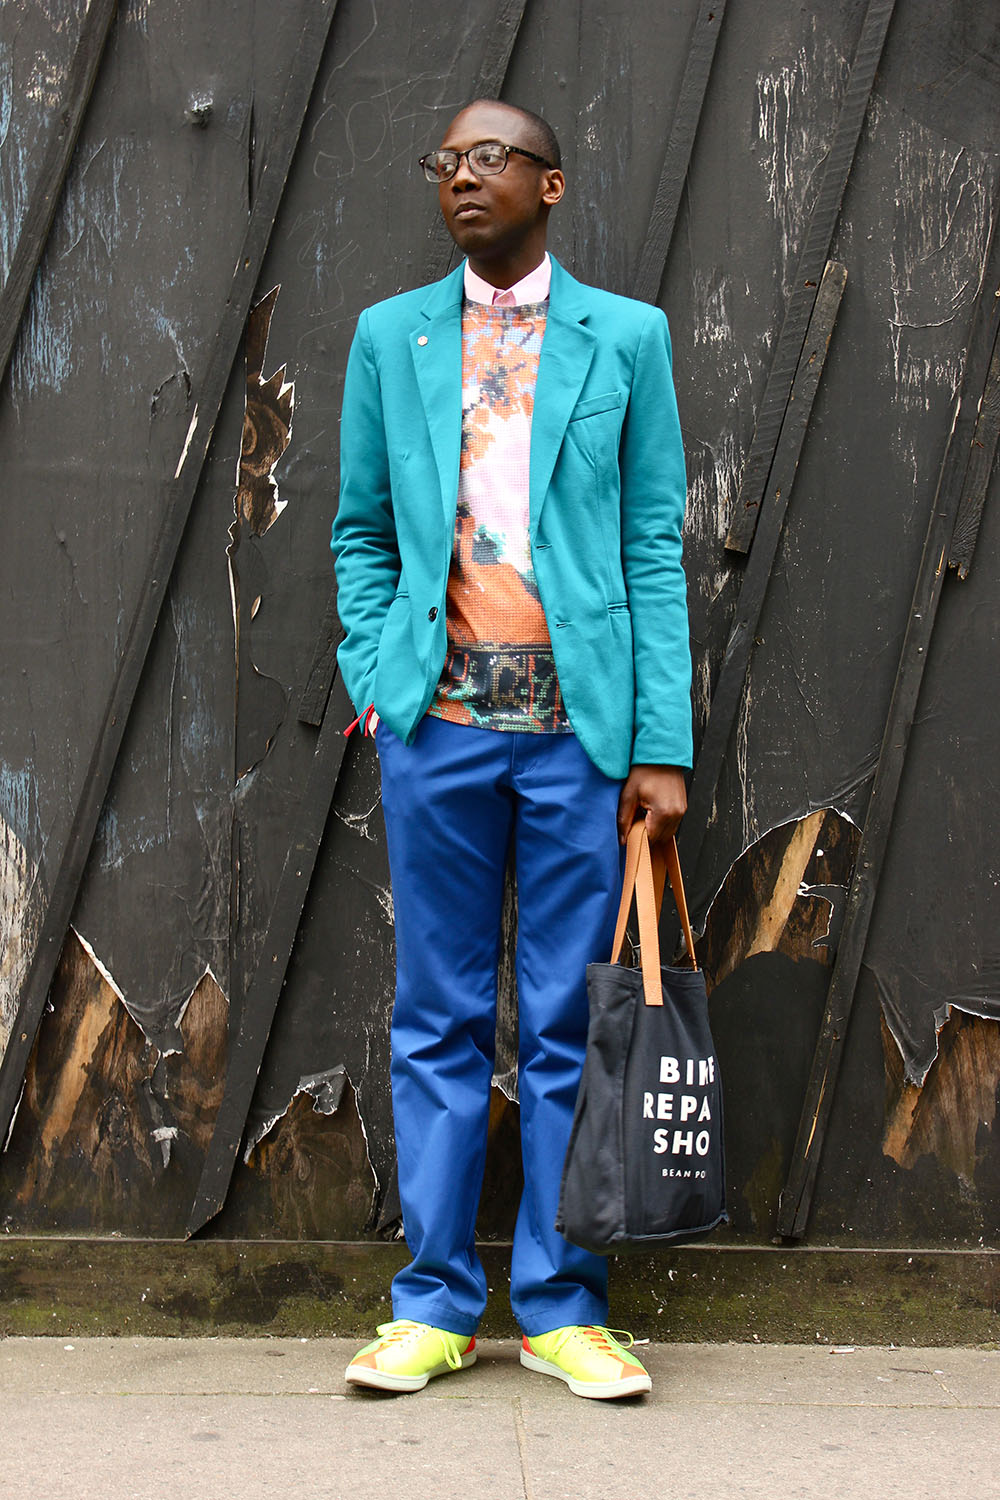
x=772, y=918
x=959, y=1097
x=315, y=1168
x=769, y=902
x=105, y=1116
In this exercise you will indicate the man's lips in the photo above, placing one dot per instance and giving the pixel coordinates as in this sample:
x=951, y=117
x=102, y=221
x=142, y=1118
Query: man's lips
x=468, y=210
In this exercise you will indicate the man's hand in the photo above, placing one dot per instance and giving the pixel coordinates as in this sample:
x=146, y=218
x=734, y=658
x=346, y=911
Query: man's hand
x=661, y=791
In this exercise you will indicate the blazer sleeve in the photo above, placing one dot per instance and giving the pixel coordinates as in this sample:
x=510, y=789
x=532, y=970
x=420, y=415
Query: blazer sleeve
x=654, y=487
x=365, y=551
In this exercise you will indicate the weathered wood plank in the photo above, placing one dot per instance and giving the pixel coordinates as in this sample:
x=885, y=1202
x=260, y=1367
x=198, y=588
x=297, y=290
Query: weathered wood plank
x=677, y=157
x=982, y=453
x=59, y=153
x=323, y=669
x=176, y=500
x=728, y=691
x=262, y=995
x=796, y=1200
x=815, y=250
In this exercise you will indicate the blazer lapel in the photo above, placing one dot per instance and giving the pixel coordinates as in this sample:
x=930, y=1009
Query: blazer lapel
x=436, y=351
x=567, y=351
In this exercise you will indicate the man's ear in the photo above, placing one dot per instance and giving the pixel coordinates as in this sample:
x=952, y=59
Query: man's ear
x=554, y=187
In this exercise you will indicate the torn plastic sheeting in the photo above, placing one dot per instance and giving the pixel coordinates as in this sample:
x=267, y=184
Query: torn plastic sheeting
x=163, y=1135
x=326, y=1089
x=918, y=1043
x=267, y=432
x=360, y=821
x=835, y=897
x=103, y=970
x=207, y=973
x=165, y=1037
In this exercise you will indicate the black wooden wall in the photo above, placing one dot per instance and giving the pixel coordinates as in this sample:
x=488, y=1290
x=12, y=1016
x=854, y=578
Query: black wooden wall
x=196, y=200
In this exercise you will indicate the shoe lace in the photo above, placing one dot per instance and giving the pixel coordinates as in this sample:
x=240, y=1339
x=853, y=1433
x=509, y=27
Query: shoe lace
x=401, y=1330
x=608, y=1340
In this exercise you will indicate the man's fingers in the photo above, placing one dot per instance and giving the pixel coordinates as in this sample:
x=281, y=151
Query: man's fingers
x=656, y=793
x=656, y=825
x=627, y=806
x=660, y=825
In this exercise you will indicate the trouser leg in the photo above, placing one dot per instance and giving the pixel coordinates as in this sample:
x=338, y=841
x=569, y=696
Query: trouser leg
x=447, y=808
x=568, y=865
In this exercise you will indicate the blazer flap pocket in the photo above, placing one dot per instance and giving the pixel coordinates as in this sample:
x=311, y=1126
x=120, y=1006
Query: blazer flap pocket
x=594, y=404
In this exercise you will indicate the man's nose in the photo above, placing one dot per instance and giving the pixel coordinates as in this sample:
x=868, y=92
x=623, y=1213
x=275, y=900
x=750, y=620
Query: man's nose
x=464, y=175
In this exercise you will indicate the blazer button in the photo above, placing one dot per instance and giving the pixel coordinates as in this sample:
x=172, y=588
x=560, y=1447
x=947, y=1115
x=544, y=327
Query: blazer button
x=432, y=613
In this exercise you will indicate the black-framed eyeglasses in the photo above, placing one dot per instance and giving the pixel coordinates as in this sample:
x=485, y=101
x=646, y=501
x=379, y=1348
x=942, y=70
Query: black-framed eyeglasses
x=485, y=159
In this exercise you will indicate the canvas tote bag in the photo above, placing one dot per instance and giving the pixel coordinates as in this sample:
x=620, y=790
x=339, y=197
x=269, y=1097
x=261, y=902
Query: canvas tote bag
x=645, y=1162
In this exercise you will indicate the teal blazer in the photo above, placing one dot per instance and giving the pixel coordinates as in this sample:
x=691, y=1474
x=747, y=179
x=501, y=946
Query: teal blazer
x=607, y=490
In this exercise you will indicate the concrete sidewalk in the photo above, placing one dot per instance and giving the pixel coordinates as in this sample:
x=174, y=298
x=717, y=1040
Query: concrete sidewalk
x=265, y=1419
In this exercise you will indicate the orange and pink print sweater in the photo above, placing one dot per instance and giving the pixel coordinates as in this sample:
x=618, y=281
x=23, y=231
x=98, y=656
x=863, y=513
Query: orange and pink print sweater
x=499, y=671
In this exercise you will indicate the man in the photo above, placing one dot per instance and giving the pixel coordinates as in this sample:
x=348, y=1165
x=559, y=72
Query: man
x=508, y=556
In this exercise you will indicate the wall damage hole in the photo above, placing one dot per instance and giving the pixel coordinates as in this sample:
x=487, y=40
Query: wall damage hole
x=324, y=1089
x=310, y=1175
x=104, y=1113
x=942, y=1117
x=767, y=952
x=102, y=1107
x=267, y=431
x=267, y=426
x=785, y=894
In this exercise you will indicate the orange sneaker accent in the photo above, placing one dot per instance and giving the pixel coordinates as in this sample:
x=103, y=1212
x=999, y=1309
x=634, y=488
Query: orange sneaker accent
x=589, y=1359
x=407, y=1354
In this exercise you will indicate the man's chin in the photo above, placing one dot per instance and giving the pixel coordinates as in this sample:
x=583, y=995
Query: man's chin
x=471, y=238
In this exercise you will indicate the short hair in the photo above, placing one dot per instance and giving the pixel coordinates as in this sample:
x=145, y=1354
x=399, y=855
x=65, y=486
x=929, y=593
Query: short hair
x=541, y=136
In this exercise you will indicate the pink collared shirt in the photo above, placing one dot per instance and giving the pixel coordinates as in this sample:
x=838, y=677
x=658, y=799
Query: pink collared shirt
x=531, y=288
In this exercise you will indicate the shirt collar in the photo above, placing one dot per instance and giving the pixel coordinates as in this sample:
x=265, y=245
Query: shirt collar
x=531, y=288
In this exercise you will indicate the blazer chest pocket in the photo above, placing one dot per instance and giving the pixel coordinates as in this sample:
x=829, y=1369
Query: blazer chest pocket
x=594, y=405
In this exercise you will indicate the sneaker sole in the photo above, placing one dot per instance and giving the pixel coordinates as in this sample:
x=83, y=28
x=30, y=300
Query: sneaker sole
x=597, y=1390
x=384, y=1380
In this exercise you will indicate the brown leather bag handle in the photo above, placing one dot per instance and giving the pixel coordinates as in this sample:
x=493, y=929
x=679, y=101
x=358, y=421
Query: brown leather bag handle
x=646, y=868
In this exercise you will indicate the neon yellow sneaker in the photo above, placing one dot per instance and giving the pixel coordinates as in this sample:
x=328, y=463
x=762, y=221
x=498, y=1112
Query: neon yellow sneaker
x=406, y=1355
x=590, y=1360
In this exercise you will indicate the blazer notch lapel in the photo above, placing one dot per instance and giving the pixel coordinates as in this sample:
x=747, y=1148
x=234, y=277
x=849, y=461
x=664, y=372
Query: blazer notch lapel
x=567, y=353
x=436, y=351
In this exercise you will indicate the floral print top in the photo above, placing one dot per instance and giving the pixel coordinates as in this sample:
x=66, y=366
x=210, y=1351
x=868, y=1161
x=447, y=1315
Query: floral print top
x=499, y=671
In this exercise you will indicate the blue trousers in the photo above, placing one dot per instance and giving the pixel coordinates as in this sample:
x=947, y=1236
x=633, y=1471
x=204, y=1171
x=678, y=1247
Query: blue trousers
x=453, y=802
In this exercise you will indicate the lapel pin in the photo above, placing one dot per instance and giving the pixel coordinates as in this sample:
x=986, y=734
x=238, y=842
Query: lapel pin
x=422, y=339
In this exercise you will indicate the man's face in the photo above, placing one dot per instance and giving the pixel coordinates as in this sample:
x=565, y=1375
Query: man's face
x=495, y=216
